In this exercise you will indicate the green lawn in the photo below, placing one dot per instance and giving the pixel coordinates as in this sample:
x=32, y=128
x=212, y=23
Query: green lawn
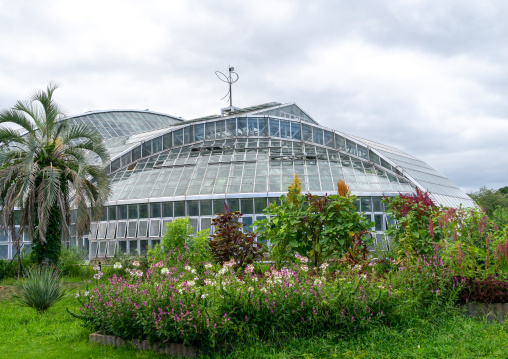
x=56, y=334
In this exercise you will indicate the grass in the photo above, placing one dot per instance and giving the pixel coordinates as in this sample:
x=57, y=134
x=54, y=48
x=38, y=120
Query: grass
x=55, y=334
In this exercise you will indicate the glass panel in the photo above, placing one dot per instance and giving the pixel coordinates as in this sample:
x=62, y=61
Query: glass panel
x=296, y=132
x=247, y=224
x=122, y=247
x=178, y=137
x=112, y=213
x=155, y=210
x=206, y=223
x=104, y=216
x=157, y=144
x=122, y=211
x=231, y=127
x=285, y=129
x=193, y=208
x=378, y=219
x=115, y=165
x=133, y=211
x=147, y=148
x=252, y=127
x=93, y=249
x=143, y=210
x=186, y=135
x=155, y=228
x=125, y=159
x=102, y=230
x=133, y=247
x=166, y=141
x=263, y=127
x=260, y=204
x=274, y=128
x=111, y=230
x=376, y=204
x=351, y=147
x=205, y=207
x=131, y=229
x=220, y=129
x=111, y=248
x=306, y=132
x=121, y=230
x=218, y=206
x=328, y=139
x=247, y=206
x=143, y=229
x=210, y=130
x=167, y=209
x=362, y=152
x=242, y=127
x=143, y=244
x=340, y=143
x=366, y=204
x=233, y=204
x=199, y=132
x=318, y=135
x=180, y=209
x=136, y=153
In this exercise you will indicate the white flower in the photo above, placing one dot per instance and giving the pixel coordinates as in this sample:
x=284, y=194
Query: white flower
x=98, y=275
x=164, y=271
x=381, y=286
x=323, y=266
x=136, y=263
x=187, y=268
x=86, y=293
x=77, y=295
x=180, y=291
x=117, y=265
x=208, y=265
x=255, y=279
x=231, y=263
x=250, y=289
x=203, y=296
x=223, y=270
x=249, y=268
x=319, y=281
x=96, y=267
x=304, y=268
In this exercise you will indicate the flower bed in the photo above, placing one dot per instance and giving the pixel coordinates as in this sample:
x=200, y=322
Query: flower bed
x=208, y=306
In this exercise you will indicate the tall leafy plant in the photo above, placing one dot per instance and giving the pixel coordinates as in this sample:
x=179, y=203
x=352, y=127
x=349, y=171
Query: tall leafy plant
x=320, y=227
x=47, y=169
x=230, y=242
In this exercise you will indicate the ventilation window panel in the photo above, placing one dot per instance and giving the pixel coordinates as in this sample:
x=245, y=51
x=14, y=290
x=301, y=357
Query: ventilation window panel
x=155, y=228
x=102, y=230
x=131, y=229
x=122, y=230
x=143, y=229
x=111, y=230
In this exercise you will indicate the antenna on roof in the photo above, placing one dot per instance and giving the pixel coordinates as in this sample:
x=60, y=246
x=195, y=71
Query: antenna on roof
x=231, y=79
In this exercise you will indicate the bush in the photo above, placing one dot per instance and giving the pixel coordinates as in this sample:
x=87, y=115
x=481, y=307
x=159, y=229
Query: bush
x=41, y=289
x=485, y=291
x=231, y=243
x=177, y=234
x=70, y=262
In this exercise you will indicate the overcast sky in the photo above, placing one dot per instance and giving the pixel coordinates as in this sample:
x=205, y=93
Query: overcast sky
x=428, y=77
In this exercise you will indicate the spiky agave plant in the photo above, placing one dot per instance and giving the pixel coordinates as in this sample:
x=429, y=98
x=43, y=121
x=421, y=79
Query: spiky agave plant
x=41, y=288
x=49, y=168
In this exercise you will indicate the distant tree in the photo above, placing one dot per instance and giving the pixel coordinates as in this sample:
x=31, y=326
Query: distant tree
x=490, y=199
x=504, y=190
x=47, y=170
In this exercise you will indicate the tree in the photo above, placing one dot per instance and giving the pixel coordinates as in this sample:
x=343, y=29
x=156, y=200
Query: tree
x=48, y=169
x=490, y=199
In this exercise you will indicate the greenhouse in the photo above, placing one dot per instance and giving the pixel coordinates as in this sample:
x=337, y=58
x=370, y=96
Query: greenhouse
x=163, y=167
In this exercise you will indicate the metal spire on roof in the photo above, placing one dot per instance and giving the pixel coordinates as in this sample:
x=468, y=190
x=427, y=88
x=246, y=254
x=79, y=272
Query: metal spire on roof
x=231, y=79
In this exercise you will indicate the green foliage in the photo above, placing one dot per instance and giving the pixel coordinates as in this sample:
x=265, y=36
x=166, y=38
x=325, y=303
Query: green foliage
x=70, y=262
x=461, y=258
x=416, y=228
x=48, y=251
x=320, y=227
x=41, y=289
x=500, y=216
x=490, y=199
x=199, y=246
x=177, y=234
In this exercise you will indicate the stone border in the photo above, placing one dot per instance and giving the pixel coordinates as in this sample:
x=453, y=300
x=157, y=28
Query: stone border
x=177, y=350
x=493, y=312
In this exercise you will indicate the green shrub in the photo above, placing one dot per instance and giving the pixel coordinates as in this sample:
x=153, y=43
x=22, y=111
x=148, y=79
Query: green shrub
x=176, y=234
x=41, y=288
x=70, y=262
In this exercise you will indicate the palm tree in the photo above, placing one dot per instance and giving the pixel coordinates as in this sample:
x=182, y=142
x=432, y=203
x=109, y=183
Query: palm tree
x=47, y=168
